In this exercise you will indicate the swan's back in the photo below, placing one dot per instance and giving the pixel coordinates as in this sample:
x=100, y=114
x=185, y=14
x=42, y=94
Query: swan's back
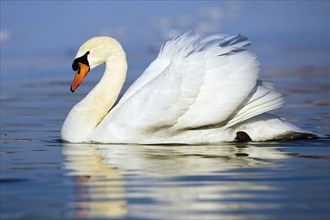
x=195, y=83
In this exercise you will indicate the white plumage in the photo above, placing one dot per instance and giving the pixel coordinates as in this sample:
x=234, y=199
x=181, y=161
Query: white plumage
x=198, y=90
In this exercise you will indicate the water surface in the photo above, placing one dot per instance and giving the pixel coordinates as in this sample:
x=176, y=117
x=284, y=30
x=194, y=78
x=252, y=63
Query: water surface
x=42, y=178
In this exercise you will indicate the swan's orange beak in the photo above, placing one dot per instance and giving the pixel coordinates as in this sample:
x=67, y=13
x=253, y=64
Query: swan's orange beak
x=81, y=72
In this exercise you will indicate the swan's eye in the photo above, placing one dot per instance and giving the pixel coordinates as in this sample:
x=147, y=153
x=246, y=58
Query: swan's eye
x=83, y=59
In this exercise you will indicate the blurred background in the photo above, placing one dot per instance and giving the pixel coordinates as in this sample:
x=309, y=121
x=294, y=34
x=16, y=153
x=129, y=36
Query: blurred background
x=39, y=37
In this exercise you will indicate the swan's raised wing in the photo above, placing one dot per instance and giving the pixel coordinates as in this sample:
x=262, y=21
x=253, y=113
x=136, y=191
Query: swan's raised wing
x=200, y=82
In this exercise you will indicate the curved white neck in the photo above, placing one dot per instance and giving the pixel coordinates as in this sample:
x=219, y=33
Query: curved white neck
x=89, y=112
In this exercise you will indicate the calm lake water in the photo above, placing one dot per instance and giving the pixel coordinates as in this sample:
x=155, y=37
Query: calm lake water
x=42, y=178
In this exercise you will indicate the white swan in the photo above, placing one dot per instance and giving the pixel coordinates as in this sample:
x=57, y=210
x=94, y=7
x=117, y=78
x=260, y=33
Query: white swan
x=198, y=90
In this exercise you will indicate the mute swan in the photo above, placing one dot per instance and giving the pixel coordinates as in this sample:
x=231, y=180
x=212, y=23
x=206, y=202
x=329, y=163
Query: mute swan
x=198, y=90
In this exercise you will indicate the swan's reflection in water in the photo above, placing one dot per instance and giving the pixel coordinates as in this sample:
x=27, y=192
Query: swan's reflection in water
x=99, y=188
x=170, y=182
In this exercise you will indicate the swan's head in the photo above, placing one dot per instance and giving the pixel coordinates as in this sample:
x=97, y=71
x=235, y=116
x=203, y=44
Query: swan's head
x=92, y=53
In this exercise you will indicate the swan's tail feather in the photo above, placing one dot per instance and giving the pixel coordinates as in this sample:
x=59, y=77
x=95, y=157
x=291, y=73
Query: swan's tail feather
x=264, y=99
x=269, y=127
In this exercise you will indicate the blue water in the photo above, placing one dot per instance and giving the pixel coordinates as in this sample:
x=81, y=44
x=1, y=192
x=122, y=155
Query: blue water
x=42, y=178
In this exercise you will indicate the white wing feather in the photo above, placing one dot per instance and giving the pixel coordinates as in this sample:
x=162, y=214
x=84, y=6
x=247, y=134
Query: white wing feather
x=194, y=82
